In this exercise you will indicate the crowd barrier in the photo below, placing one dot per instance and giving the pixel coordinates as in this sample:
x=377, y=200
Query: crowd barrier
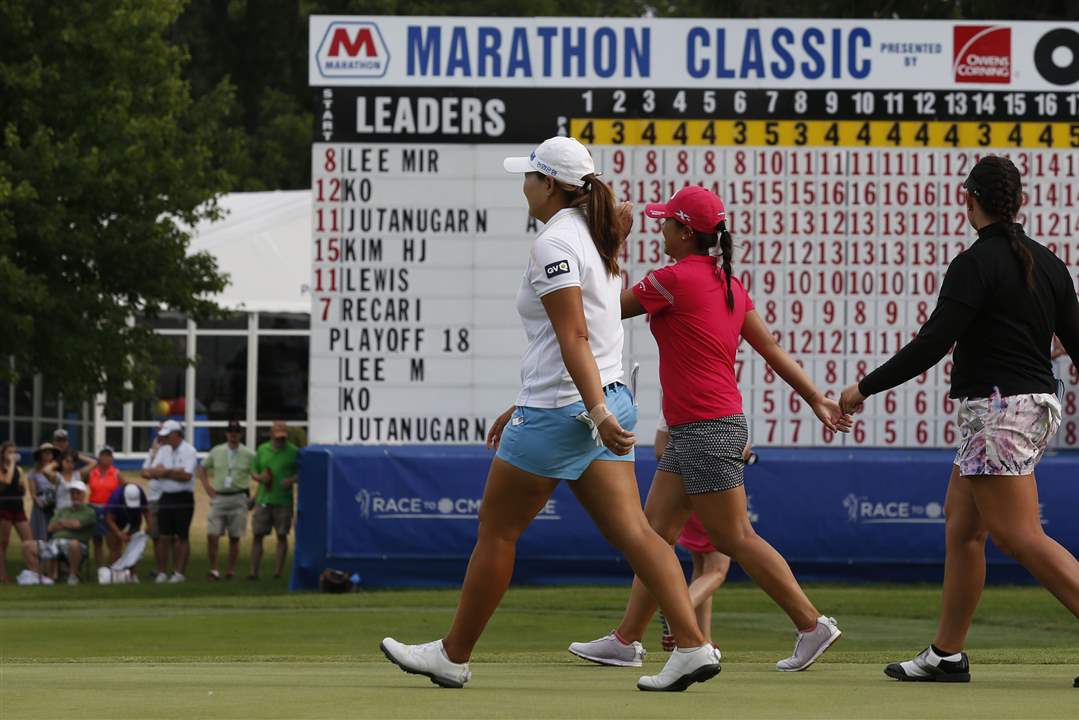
x=406, y=516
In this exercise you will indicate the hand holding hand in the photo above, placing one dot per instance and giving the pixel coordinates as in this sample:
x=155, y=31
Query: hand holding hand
x=494, y=435
x=851, y=399
x=829, y=412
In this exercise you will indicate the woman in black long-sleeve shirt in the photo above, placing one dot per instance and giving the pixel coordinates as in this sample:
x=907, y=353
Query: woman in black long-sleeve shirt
x=1000, y=304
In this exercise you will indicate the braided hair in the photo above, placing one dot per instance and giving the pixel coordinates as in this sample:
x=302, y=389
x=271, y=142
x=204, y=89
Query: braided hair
x=995, y=184
x=720, y=239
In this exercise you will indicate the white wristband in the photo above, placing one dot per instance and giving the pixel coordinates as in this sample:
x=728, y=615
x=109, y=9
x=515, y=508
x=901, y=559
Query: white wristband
x=599, y=414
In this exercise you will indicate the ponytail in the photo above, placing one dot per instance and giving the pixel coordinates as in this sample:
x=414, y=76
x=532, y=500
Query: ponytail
x=597, y=202
x=726, y=254
x=719, y=244
x=1022, y=252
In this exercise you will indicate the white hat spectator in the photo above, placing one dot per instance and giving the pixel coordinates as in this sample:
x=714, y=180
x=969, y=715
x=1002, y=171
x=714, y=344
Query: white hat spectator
x=77, y=485
x=168, y=428
x=132, y=496
x=59, y=434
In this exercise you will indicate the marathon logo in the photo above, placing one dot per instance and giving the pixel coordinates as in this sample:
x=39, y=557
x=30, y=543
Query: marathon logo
x=982, y=54
x=353, y=49
x=557, y=268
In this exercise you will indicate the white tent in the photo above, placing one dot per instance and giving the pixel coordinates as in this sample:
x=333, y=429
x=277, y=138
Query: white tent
x=264, y=243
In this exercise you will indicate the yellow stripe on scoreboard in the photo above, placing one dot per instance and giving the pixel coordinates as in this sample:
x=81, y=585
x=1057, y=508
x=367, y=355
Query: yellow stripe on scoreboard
x=827, y=133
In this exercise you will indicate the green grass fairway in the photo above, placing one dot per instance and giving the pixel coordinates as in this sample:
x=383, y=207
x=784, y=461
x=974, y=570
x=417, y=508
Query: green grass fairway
x=245, y=650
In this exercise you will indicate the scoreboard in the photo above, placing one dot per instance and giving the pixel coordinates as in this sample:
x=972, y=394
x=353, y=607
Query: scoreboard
x=838, y=147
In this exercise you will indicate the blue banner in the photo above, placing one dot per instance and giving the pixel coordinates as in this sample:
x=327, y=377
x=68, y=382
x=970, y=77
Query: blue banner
x=407, y=515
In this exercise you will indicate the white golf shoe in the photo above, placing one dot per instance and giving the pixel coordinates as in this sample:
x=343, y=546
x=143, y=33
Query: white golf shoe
x=428, y=659
x=609, y=650
x=684, y=668
x=809, y=646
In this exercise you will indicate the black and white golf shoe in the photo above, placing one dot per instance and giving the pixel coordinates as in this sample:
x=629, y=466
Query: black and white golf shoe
x=928, y=666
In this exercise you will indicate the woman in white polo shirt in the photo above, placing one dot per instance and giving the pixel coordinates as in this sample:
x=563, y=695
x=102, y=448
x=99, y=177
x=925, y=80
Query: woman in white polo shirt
x=571, y=422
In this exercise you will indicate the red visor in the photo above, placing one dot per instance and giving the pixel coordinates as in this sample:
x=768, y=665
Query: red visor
x=693, y=205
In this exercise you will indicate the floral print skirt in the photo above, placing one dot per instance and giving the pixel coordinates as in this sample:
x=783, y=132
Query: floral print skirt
x=1005, y=435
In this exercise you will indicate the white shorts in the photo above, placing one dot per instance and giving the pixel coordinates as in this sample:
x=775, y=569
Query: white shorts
x=1005, y=435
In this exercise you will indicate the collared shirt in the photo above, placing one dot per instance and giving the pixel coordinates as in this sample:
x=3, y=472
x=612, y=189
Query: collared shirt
x=87, y=518
x=564, y=255
x=182, y=457
x=153, y=487
x=698, y=338
x=283, y=465
x=229, y=470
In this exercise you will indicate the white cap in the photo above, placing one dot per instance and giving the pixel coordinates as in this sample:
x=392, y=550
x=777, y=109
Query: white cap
x=78, y=485
x=169, y=427
x=132, y=495
x=563, y=158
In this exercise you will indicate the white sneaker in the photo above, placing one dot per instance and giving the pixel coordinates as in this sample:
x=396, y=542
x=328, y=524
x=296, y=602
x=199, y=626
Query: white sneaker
x=161, y=578
x=46, y=580
x=609, y=650
x=72, y=580
x=684, y=668
x=809, y=646
x=427, y=659
x=177, y=578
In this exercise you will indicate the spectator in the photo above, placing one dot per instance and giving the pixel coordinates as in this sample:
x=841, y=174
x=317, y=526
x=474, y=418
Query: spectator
x=71, y=529
x=67, y=475
x=153, y=499
x=62, y=443
x=125, y=512
x=103, y=481
x=13, y=511
x=226, y=476
x=174, y=466
x=43, y=480
x=274, y=469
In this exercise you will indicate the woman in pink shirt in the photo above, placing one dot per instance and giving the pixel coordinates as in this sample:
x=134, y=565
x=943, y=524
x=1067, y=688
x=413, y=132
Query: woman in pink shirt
x=699, y=312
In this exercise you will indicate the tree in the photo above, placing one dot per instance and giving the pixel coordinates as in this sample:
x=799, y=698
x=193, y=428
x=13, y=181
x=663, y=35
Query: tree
x=106, y=161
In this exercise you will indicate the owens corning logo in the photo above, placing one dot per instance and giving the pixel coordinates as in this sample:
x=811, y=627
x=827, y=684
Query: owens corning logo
x=375, y=506
x=352, y=49
x=982, y=54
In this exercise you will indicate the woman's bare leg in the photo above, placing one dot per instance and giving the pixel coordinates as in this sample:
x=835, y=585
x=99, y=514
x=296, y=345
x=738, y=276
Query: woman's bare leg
x=666, y=510
x=608, y=491
x=1008, y=505
x=713, y=572
x=726, y=518
x=5, y=536
x=964, y=564
x=511, y=500
x=28, y=547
